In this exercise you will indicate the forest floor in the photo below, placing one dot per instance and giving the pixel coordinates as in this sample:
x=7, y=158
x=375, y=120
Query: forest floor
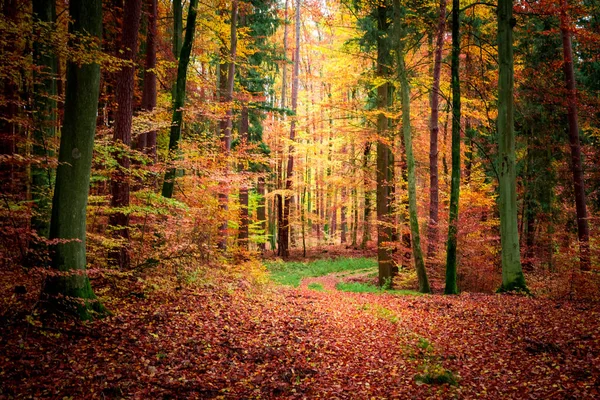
x=239, y=340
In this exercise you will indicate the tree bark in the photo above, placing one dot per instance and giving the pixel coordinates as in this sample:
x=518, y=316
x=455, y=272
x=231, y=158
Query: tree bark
x=147, y=140
x=583, y=230
x=227, y=122
x=45, y=93
x=284, y=229
x=433, y=135
x=512, y=274
x=177, y=119
x=385, y=168
x=243, y=233
x=451, y=284
x=119, y=218
x=407, y=134
x=71, y=290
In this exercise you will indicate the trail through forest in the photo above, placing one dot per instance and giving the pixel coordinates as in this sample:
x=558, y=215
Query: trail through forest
x=243, y=341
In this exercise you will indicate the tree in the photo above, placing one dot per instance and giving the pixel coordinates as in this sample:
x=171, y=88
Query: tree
x=179, y=99
x=410, y=159
x=451, y=287
x=583, y=229
x=512, y=274
x=284, y=228
x=69, y=288
x=433, y=133
x=385, y=161
x=147, y=140
x=44, y=12
x=119, y=218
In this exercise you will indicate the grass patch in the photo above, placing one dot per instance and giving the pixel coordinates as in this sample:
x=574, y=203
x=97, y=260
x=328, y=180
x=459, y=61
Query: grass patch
x=316, y=286
x=436, y=375
x=291, y=273
x=360, y=287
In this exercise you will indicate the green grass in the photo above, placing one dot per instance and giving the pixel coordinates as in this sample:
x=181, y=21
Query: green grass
x=291, y=273
x=359, y=287
x=316, y=286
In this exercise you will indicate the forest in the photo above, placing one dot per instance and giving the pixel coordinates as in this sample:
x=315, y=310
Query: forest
x=345, y=199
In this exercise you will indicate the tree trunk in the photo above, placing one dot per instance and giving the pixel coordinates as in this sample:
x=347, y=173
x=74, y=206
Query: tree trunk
x=512, y=274
x=119, y=219
x=243, y=233
x=433, y=135
x=366, y=234
x=451, y=284
x=385, y=169
x=71, y=290
x=147, y=141
x=407, y=134
x=227, y=122
x=583, y=230
x=260, y=211
x=45, y=93
x=177, y=119
x=285, y=227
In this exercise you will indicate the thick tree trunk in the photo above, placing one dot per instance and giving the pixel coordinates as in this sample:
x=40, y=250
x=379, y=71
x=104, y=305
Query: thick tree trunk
x=583, y=230
x=512, y=274
x=147, y=140
x=71, y=290
x=284, y=230
x=451, y=284
x=412, y=181
x=177, y=119
x=119, y=219
x=45, y=92
x=433, y=135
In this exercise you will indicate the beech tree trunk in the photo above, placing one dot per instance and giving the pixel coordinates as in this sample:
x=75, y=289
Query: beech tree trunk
x=366, y=233
x=243, y=232
x=284, y=228
x=433, y=134
x=45, y=92
x=119, y=218
x=410, y=159
x=177, y=119
x=385, y=164
x=260, y=210
x=583, y=230
x=227, y=122
x=71, y=290
x=512, y=273
x=147, y=140
x=451, y=284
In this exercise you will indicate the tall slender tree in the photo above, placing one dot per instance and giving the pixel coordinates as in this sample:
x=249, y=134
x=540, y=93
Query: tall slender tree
x=179, y=100
x=451, y=285
x=119, y=218
x=284, y=230
x=433, y=134
x=410, y=159
x=583, y=229
x=70, y=289
x=147, y=140
x=512, y=273
x=45, y=91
